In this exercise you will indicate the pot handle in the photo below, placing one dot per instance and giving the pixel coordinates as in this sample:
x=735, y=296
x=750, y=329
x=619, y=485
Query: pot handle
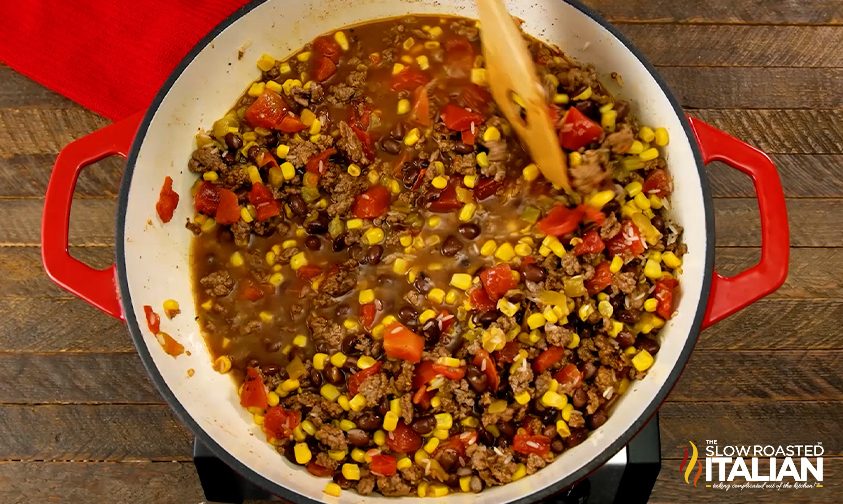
x=730, y=294
x=94, y=286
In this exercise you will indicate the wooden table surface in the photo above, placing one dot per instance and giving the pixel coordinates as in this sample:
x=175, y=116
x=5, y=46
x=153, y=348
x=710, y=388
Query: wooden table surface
x=81, y=422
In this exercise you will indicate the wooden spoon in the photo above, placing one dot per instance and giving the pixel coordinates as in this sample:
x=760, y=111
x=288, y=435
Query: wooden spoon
x=510, y=69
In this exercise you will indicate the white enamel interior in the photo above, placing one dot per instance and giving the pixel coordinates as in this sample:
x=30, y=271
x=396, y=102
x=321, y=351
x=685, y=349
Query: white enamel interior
x=157, y=256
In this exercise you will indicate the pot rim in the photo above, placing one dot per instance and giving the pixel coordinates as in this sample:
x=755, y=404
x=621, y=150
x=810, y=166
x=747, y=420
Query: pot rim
x=287, y=493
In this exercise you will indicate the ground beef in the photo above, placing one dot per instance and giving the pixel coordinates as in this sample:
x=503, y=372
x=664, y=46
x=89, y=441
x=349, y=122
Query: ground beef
x=493, y=418
x=624, y=281
x=342, y=187
x=534, y=463
x=287, y=254
x=302, y=151
x=636, y=299
x=323, y=459
x=610, y=227
x=464, y=164
x=341, y=281
x=605, y=379
x=394, y=486
x=241, y=232
x=413, y=474
x=407, y=408
x=374, y=389
x=332, y=437
x=576, y=420
x=404, y=381
x=594, y=400
x=366, y=485
x=609, y=352
x=558, y=336
x=351, y=145
x=326, y=333
x=520, y=378
x=218, y=283
x=588, y=177
x=620, y=141
x=570, y=264
x=543, y=382
x=415, y=298
x=206, y=159
x=321, y=409
x=354, y=86
x=493, y=467
x=194, y=227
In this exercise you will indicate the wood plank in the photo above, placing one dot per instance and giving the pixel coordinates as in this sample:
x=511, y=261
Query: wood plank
x=59, y=324
x=778, y=324
x=28, y=175
x=92, y=222
x=17, y=90
x=802, y=176
x=671, y=488
x=738, y=12
x=113, y=482
x=85, y=432
x=813, y=222
x=751, y=423
x=781, y=131
x=755, y=88
x=738, y=46
x=36, y=130
x=23, y=272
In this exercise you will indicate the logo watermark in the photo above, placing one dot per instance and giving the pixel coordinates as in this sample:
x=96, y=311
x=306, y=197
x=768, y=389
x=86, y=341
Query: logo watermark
x=739, y=467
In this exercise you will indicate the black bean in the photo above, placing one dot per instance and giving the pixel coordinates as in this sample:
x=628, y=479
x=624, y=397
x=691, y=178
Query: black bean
x=579, y=398
x=648, y=344
x=501, y=442
x=485, y=436
x=597, y=419
x=451, y=246
x=253, y=152
x=348, y=345
x=313, y=242
x=391, y=146
x=407, y=313
x=373, y=255
x=622, y=108
x=628, y=316
x=334, y=375
x=270, y=369
x=611, y=207
x=233, y=141
x=625, y=339
x=369, y=422
x=577, y=436
x=469, y=230
x=507, y=429
x=588, y=370
x=357, y=253
x=590, y=109
x=319, y=225
x=350, y=362
x=534, y=272
x=338, y=245
x=423, y=425
x=316, y=377
x=229, y=158
x=272, y=346
x=432, y=334
x=486, y=318
x=658, y=223
x=557, y=446
x=358, y=438
x=447, y=458
x=297, y=205
x=549, y=431
x=423, y=283
x=549, y=418
x=339, y=479
x=410, y=173
x=461, y=148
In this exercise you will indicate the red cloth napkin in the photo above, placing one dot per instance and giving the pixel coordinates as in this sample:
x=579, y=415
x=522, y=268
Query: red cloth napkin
x=111, y=56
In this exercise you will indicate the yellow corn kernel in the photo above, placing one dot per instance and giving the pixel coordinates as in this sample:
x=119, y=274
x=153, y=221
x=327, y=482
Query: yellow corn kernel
x=498, y=406
x=210, y=176
x=236, y=259
x=600, y=199
x=397, y=68
x=423, y=62
x=412, y=137
x=651, y=304
x=409, y=42
x=328, y=391
x=616, y=264
x=444, y=420
x=465, y=483
x=421, y=490
x=342, y=40
x=358, y=455
x=646, y=134
x=390, y=421
x=522, y=398
x=265, y=62
x=552, y=399
x=585, y=311
x=265, y=316
x=289, y=84
x=521, y=470
x=488, y=248
x=642, y=360
x=438, y=490
x=431, y=445
x=274, y=86
x=661, y=137
x=536, y=320
x=505, y=252
x=492, y=134
x=641, y=201
x=439, y=182
x=530, y=172
x=222, y=364
x=605, y=309
x=585, y=95
x=354, y=223
x=461, y=280
x=575, y=341
x=633, y=188
x=471, y=422
x=288, y=171
x=302, y=453
x=319, y=362
x=436, y=295
x=467, y=212
x=366, y=296
x=478, y=76
x=404, y=463
x=338, y=359
x=671, y=260
x=426, y=315
x=523, y=250
x=354, y=170
x=307, y=117
x=562, y=428
x=616, y=329
x=379, y=437
x=256, y=89
x=400, y=266
x=636, y=147
x=567, y=410
x=288, y=385
x=652, y=270
x=560, y=98
x=575, y=159
x=338, y=455
x=351, y=471
x=507, y=308
x=608, y=120
x=395, y=406
x=298, y=260
x=440, y=434
x=630, y=351
x=649, y=154
x=482, y=160
x=403, y=106
x=246, y=215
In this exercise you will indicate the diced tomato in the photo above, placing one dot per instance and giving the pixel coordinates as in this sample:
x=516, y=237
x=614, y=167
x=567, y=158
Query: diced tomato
x=423, y=374
x=367, y=314
x=486, y=187
x=457, y=118
x=475, y=97
x=267, y=110
x=355, y=380
x=446, y=321
x=422, y=397
x=153, y=320
x=560, y=220
x=366, y=140
x=280, y=423
x=264, y=158
x=421, y=107
x=169, y=344
x=527, y=444
x=318, y=162
x=480, y=300
x=327, y=47
x=253, y=393
x=319, y=471
x=323, y=68
x=403, y=439
x=658, y=183
x=451, y=373
x=447, y=200
x=265, y=205
x=228, y=211
x=578, y=130
x=665, y=289
x=591, y=214
x=602, y=278
x=371, y=204
x=506, y=355
x=207, y=198
x=251, y=290
x=409, y=79
x=399, y=342
x=628, y=240
x=497, y=280
x=359, y=115
x=468, y=137
x=569, y=376
x=383, y=465
x=554, y=113
x=548, y=358
x=458, y=443
x=591, y=244
x=459, y=57
x=308, y=272
x=168, y=199
x=290, y=124
x=484, y=361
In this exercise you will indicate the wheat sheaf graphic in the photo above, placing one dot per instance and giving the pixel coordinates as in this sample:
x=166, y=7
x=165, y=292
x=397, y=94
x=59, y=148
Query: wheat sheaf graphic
x=686, y=467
